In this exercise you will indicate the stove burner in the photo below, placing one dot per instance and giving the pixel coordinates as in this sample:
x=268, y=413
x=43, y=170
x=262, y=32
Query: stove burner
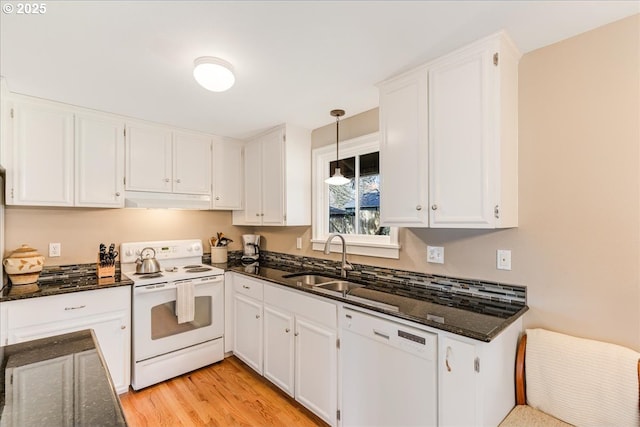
x=187, y=267
x=149, y=275
x=196, y=269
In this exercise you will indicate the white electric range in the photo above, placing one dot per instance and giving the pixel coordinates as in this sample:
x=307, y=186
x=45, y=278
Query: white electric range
x=162, y=346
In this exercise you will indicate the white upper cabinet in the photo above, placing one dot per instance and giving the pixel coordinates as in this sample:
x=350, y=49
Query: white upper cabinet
x=449, y=148
x=39, y=154
x=160, y=159
x=99, y=151
x=403, y=147
x=191, y=163
x=473, y=136
x=277, y=179
x=227, y=169
x=149, y=158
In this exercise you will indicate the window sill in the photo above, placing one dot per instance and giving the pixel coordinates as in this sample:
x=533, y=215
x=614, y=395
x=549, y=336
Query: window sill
x=359, y=248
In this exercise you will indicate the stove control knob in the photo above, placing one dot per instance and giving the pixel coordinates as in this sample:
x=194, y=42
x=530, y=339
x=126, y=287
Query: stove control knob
x=129, y=252
x=197, y=247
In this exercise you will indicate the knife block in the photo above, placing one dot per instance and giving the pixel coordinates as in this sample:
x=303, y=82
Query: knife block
x=105, y=271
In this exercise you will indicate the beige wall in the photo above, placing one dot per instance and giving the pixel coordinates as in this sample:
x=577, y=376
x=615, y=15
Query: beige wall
x=80, y=231
x=577, y=247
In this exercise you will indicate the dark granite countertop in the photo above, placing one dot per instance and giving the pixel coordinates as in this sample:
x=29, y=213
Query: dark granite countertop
x=61, y=380
x=64, y=282
x=478, y=318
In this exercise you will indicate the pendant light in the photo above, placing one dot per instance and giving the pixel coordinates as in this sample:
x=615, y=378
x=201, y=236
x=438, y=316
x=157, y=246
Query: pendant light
x=337, y=178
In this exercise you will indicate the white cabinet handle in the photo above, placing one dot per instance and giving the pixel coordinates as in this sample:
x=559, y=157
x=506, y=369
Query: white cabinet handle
x=78, y=307
x=446, y=361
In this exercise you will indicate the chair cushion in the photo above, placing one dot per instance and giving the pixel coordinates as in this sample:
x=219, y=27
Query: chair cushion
x=524, y=415
x=580, y=381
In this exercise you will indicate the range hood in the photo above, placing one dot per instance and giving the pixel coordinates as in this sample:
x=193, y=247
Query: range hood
x=148, y=199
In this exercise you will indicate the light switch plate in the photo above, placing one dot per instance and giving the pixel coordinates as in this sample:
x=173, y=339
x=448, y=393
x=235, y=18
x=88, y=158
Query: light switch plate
x=503, y=259
x=298, y=242
x=54, y=249
x=435, y=254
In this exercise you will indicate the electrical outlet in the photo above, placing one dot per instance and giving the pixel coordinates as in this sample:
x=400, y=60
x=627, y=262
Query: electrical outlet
x=54, y=249
x=435, y=254
x=298, y=242
x=503, y=259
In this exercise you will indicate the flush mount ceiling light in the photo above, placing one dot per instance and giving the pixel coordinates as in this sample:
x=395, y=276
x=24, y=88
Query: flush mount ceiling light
x=337, y=178
x=213, y=74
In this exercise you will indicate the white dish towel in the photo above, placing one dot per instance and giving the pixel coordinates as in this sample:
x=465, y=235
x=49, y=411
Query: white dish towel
x=185, y=302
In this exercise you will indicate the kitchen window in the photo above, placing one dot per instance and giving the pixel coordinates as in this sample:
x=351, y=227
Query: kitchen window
x=353, y=209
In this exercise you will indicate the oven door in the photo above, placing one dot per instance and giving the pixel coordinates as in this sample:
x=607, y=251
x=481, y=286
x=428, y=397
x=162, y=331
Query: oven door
x=156, y=329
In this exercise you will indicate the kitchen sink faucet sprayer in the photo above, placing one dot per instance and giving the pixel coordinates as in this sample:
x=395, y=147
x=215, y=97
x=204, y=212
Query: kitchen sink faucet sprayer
x=345, y=264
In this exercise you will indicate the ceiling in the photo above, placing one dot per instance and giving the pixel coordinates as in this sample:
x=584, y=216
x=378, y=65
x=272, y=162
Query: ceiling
x=294, y=60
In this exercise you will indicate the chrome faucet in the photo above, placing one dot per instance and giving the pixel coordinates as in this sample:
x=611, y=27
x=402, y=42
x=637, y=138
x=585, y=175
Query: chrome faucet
x=345, y=264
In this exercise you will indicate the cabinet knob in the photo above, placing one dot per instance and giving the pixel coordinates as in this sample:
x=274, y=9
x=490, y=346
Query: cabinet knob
x=419, y=207
x=178, y=180
x=434, y=207
x=123, y=327
x=257, y=214
x=287, y=330
x=257, y=316
x=117, y=194
x=167, y=180
x=246, y=287
x=296, y=334
x=261, y=214
x=217, y=197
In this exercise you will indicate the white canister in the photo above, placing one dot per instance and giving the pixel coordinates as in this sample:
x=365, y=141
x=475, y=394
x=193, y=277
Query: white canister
x=218, y=254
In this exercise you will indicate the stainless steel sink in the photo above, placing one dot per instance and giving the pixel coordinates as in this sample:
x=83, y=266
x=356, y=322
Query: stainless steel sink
x=309, y=279
x=339, y=286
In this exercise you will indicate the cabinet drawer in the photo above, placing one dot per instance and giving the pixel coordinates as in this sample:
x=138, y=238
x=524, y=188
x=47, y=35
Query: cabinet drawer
x=247, y=286
x=34, y=311
x=311, y=308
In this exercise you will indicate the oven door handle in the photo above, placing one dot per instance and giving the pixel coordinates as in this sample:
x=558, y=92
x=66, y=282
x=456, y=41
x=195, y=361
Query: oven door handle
x=166, y=286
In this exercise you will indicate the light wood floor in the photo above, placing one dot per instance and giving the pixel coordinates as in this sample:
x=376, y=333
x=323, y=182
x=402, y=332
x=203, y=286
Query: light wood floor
x=227, y=393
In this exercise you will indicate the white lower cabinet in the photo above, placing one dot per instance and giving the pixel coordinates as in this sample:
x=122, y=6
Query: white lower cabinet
x=247, y=321
x=279, y=343
x=294, y=344
x=476, y=379
x=106, y=311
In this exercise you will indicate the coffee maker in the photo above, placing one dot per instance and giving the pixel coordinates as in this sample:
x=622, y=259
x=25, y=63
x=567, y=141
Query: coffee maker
x=250, y=248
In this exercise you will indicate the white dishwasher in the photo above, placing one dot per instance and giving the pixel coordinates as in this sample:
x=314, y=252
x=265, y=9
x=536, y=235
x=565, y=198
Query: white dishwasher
x=388, y=372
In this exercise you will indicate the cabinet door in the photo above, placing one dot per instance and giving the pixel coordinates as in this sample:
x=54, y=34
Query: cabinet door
x=316, y=371
x=458, y=383
x=228, y=174
x=44, y=387
x=248, y=331
x=148, y=159
x=191, y=163
x=461, y=148
x=252, y=184
x=278, y=348
x=273, y=178
x=41, y=168
x=99, y=150
x=403, y=152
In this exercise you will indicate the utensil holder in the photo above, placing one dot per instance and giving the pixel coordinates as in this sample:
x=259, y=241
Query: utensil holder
x=218, y=254
x=105, y=271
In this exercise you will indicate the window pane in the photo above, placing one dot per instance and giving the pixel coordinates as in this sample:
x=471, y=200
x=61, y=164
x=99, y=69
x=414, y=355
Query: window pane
x=342, y=199
x=369, y=191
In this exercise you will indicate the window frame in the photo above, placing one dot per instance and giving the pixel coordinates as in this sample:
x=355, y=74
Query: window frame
x=357, y=244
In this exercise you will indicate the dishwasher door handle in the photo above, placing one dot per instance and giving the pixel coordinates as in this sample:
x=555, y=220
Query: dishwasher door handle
x=381, y=334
